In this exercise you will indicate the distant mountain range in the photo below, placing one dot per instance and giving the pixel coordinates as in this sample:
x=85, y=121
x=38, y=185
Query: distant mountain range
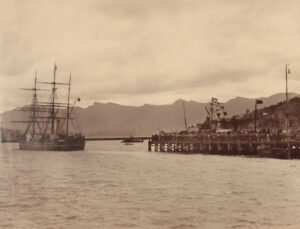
x=110, y=119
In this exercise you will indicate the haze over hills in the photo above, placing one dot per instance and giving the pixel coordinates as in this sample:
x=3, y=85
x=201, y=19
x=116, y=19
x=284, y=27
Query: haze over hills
x=110, y=119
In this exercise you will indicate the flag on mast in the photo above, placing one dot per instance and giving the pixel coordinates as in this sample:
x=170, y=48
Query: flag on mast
x=258, y=101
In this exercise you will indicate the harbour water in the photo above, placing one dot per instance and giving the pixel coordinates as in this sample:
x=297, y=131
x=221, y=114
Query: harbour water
x=111, y=185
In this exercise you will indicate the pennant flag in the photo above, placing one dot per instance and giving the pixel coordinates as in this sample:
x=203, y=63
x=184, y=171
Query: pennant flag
x=258, y=101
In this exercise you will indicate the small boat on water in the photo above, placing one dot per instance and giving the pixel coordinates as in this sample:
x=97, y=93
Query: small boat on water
x=48, y=126
x=128, y=143
x=132, y=139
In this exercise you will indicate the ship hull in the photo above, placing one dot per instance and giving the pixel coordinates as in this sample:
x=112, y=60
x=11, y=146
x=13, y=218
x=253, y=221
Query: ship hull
x=53, y=145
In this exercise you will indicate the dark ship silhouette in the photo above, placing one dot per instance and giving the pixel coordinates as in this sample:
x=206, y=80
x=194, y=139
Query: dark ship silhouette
x=132, y=139
x=49, y=123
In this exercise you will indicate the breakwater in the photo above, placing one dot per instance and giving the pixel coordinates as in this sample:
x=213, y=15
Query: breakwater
x=113, y=138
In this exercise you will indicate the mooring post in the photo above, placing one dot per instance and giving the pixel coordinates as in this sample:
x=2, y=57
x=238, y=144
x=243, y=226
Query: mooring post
x=169, y=147
x=239, y=146
x=219, y=144
x=229, y=148
x=196, y=147
x=162, y=147
x=149, y=145
x=209, y=144
x=289, y=148
x=175, y=147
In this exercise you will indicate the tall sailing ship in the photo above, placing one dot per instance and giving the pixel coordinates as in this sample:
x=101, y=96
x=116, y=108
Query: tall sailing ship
x=51, y=125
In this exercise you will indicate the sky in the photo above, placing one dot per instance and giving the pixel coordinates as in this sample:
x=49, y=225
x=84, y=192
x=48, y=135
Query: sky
x=136, y=52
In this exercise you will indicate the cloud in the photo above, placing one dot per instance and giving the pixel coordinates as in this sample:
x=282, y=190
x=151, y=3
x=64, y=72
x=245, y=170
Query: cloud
x=154, y=50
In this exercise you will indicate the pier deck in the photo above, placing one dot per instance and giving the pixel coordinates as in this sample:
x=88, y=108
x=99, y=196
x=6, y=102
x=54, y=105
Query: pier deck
x=258, y=145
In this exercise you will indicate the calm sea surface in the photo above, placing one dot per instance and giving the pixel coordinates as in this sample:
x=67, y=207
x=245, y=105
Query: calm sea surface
x=110, y=185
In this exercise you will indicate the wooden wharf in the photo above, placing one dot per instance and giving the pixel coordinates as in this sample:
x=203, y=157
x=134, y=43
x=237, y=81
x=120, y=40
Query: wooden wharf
x=256, y=145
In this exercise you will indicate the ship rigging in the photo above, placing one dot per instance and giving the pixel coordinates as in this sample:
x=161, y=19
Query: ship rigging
x=48, y=124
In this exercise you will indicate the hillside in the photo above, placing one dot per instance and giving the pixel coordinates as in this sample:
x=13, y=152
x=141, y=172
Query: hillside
x=273, y=117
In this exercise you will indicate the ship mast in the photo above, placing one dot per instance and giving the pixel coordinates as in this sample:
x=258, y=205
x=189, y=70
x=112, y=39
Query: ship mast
x=52, y=113
x=68, y=107
x=34, y=106
x=32, y=117
x=186, y=128
x=287, y=72
x=286, y=96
